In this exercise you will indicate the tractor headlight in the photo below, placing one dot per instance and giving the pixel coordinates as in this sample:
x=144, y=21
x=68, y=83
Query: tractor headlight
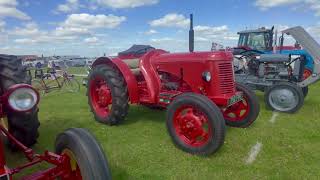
x=23, y=98
x=206, y=76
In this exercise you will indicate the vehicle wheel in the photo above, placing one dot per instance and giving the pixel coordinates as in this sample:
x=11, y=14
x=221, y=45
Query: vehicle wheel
x=284, y=97
x=23, y=126
x=107, y=95
x=87, y=159
x=305, y=91
x=71, y=85
x=195, y=124
x=245, y=112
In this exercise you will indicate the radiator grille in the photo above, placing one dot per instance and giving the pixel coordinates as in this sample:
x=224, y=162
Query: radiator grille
x=226, y=78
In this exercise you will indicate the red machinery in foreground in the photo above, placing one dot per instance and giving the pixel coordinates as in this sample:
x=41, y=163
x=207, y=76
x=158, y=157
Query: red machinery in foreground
x=197, y=88
x=77, y=153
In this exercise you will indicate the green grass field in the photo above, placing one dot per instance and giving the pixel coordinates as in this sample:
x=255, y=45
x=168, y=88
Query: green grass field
x=141, y=148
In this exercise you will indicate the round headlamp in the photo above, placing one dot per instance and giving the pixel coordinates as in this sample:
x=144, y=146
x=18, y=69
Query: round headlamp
x=23, y=99
x=206, y=76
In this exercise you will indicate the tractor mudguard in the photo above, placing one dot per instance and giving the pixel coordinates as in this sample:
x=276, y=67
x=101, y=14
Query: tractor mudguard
x=130, y=79
x=150, y=74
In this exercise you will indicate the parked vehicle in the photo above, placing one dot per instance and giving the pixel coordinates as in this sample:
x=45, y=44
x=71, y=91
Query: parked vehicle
x=77, y=153
x=197, y=88
x=264, y=41
x=281, y=76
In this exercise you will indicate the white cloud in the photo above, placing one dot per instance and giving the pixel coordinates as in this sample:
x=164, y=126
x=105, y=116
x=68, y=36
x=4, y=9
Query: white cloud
x=2, y=25
x=75, y=27
x=209, y=31
x=29, y=29
x=213, y=34
x=8, y=9
x=69, y=31
x=93, y=21
x=309, y=4
x=314, y=5
x=314, y=31
x=204, y=37
x=69, y=6
x=263, y=4
x=171, y=20
x=31, y=34
x=169, y=44
x=117, y=4
x=150, y=32
x=91, y=40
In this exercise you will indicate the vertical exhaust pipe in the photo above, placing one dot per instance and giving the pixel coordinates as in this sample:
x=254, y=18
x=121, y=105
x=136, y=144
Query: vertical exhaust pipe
x=191, y=35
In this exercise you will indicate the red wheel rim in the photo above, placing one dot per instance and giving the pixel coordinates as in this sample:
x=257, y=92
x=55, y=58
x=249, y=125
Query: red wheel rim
x=237, y=112
x=306, y=73
x=192, y=126
x=75, y=173
x=101, y=98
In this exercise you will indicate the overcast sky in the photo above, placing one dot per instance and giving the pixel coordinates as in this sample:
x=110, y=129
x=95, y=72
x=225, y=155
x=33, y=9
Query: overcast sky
x=94, y=27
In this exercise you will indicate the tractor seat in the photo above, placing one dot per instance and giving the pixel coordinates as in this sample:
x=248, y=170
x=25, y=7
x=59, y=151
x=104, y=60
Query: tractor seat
x=274, y=58
x=133, y=65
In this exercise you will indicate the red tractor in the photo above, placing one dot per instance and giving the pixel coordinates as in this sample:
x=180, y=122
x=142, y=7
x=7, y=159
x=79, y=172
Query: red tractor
x=77, y=153
x=198, y=90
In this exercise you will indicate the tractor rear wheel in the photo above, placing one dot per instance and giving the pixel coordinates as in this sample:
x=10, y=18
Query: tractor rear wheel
x=23, y=126
x=195, y=124
x=108, y=94
x=86, y=157
x=284, y=97
x=245, y=112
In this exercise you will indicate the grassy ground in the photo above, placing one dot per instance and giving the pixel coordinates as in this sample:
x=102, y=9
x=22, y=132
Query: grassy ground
x=141, y=149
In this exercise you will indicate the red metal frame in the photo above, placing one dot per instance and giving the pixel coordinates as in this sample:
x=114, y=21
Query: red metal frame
x=61, y=163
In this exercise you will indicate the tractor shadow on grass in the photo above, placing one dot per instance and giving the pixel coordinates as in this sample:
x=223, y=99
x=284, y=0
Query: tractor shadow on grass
x=141, y=113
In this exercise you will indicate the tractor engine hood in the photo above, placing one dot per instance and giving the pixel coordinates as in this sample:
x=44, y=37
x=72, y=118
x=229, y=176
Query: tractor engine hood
x=193, y=57
x=306, y=41
x=312, y=47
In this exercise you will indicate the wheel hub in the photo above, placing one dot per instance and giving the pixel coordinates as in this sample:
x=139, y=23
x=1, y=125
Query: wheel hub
x=282, y=99
x=101, y=96
x=190, y=127
x=238, y=111
x=104, y=95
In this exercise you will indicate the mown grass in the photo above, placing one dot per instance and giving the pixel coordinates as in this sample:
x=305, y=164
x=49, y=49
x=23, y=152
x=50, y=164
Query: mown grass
x=141, y=148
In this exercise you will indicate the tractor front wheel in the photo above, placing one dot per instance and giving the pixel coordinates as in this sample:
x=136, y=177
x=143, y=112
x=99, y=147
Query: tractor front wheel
x=107, y=94
x=195, y=124
x=22, y=125
x=245, y=112
x=85, y=155
x=284, y=97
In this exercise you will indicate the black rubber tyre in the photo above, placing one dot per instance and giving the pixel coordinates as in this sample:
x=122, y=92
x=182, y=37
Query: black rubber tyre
x=305, y=91
x=254, y=105
x=23, y=126
x=119, y=93
x=215, y=121
x=294, y=89
x=87, y=152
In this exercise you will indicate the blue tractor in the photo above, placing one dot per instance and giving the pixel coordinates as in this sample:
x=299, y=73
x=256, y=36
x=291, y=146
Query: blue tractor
x=283, y=73
x=264, y=41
